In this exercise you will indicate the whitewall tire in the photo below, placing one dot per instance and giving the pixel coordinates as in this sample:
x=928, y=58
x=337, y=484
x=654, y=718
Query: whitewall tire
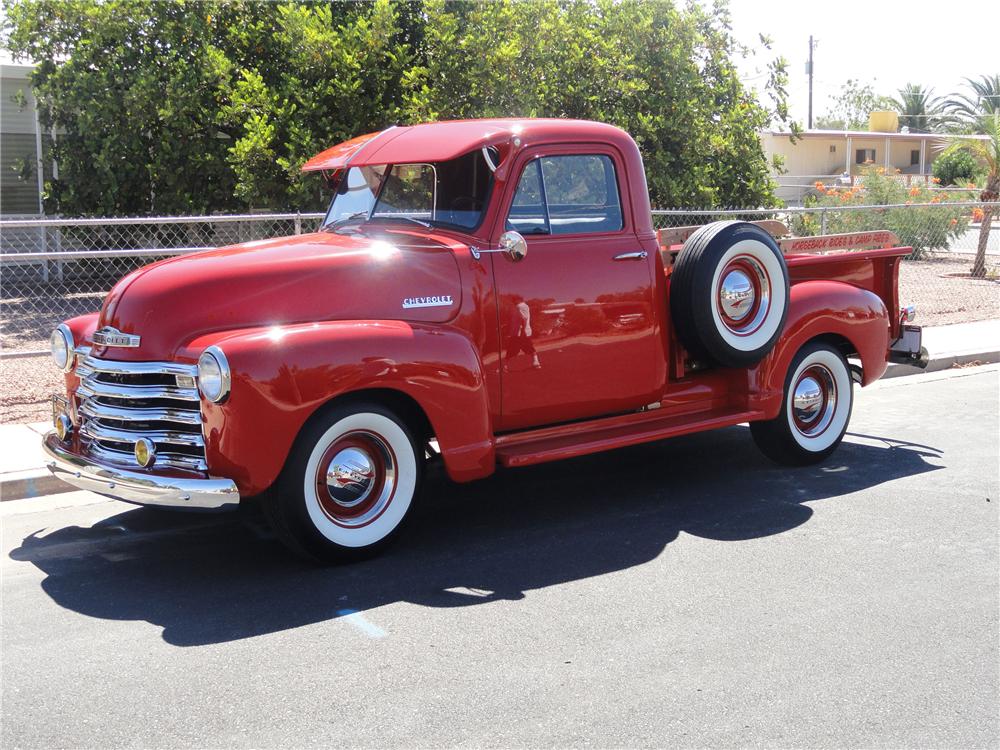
x=816, y=408
x=348, y=485
x=729, y=293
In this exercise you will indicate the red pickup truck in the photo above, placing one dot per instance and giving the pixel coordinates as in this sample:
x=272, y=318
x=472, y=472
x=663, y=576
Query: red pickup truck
x=492, y=292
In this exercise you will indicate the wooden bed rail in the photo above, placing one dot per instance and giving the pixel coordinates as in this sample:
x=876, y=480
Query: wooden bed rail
x=670, y=239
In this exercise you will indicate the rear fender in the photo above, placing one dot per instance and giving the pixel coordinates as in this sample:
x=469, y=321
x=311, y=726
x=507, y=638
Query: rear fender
x=824, y=308
x=282, y=375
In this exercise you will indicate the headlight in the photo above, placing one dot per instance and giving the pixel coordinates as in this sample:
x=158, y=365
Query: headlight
x=213, y=375
x=61, y=342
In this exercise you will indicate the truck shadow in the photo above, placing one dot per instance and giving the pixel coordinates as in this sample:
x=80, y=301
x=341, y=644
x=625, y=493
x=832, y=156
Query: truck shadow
x=212, y=579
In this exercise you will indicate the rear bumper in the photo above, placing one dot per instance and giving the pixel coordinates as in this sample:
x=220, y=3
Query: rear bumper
x=908, y=348
x=138, y=487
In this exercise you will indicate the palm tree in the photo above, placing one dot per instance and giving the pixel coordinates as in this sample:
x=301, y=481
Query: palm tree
x=986, y=150
x=983, y=99
x=919, y=109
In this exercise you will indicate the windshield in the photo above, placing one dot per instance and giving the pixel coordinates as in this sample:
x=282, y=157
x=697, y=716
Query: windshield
x=450, y=193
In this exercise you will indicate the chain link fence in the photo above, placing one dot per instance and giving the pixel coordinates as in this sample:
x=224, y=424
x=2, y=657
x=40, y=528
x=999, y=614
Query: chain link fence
x=53, y=269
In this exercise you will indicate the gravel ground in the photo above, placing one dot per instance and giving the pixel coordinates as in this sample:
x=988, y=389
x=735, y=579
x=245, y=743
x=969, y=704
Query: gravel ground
x=942, y=298
x=26, y=383
x=25, y=386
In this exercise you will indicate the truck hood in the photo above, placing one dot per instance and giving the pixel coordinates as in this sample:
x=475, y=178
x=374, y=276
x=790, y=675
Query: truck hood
x=302, y=279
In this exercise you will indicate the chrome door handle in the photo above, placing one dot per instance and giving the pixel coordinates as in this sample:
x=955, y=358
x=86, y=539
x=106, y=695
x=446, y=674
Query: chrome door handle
x=637, y=255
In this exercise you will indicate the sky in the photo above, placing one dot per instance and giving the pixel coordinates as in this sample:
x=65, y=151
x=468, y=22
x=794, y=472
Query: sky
x=882, y=42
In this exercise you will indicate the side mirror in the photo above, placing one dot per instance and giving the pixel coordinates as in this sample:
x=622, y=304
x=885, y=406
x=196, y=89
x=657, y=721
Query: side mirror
x=514, y=246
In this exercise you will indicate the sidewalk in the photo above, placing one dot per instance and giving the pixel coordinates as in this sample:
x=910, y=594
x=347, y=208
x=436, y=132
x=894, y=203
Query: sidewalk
x=958, y=344
x=22, y=462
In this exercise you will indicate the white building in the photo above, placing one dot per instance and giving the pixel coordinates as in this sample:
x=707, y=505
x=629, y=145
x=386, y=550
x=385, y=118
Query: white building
x=22, y=169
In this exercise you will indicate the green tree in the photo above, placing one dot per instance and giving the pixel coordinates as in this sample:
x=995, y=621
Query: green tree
x=852, y=107
x=665, y=75
x=982, y=100
x=187, y=107
x=986, y=151
x=919, y=110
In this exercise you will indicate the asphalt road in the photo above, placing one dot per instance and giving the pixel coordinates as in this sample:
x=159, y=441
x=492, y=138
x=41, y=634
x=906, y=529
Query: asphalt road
x=685, y=593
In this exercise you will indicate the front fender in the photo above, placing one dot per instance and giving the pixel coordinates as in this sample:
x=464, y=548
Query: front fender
x=818, y=308
x=282, y=375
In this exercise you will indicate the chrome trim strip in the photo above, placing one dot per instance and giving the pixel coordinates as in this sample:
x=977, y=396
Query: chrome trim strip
x=139, y=487
x=98, y=431
x=67, y=335
x=97, y=410
x=138, y=368
x=365, y=145
x=224, y=371
x=117, y=390
x=126, y=459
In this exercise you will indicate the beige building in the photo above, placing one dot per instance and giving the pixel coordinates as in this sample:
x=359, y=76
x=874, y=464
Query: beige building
x=829, y=155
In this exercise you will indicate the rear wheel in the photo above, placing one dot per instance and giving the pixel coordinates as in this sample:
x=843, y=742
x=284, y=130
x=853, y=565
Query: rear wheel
x=815, y=410
x=348, y=485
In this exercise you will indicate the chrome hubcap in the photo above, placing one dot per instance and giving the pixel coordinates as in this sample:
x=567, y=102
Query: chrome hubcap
x=736, y=295
x=350, y=477
x=743, y=299
x=814, y=400
x=356, y=479
x=808, y=399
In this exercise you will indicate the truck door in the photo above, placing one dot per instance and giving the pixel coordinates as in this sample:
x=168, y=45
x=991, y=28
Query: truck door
x=577, y=330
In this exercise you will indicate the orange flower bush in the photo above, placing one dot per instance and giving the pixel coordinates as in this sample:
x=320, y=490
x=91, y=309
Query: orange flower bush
x=921, y=216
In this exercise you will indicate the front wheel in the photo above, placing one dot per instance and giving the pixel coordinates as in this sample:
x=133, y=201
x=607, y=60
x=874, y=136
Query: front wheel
x=348, y=484
x=815, y=410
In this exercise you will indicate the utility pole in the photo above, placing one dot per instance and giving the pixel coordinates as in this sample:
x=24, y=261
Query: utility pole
x=809, y=72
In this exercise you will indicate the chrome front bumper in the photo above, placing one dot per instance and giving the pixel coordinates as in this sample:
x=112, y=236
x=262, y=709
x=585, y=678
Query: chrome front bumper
x=138, y=487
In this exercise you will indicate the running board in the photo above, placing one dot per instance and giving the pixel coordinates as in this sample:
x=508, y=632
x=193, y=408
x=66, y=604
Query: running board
x=568, y=441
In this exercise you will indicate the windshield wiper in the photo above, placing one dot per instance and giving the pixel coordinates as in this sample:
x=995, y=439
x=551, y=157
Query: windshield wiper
x=403, y=218
x=349, y=217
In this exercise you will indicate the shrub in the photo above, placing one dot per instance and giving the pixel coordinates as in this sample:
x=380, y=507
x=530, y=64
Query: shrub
x=956, y=168
x=931, y=225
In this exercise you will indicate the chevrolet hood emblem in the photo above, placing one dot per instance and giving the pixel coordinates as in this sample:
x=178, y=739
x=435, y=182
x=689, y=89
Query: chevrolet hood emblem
x=110, y=336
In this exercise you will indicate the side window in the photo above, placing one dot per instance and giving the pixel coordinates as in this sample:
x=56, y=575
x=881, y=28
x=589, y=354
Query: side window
x=567, y=195
x=527, y=212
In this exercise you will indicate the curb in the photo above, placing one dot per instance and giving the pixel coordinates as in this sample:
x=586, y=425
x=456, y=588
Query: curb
x=34, y=483
x=942, y=362
x=39, y=482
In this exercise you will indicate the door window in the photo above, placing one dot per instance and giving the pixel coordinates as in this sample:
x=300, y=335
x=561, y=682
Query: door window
x=575, y=194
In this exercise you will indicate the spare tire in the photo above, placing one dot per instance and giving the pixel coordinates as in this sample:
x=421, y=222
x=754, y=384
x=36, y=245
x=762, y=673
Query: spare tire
x=729, y=293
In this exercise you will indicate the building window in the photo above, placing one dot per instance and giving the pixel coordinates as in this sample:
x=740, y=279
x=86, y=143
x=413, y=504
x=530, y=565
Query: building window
x=914, y=156
x=864, y=155
x=833, y=149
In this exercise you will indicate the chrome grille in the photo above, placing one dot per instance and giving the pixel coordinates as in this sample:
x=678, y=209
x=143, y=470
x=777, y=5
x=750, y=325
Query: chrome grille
x=120, y=402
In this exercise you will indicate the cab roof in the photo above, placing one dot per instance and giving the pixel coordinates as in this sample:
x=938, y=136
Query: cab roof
x=443, y=141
